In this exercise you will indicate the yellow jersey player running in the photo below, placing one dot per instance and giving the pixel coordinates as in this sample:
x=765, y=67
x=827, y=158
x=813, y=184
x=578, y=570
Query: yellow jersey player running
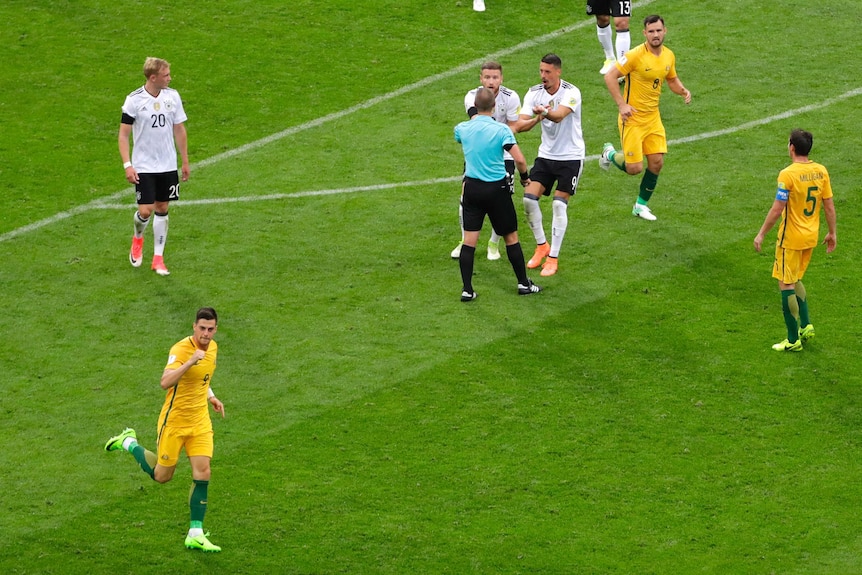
x=803, y=187
x=645, y=69
x=184, y=422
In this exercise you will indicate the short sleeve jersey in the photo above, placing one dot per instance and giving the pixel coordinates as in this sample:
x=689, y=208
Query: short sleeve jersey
x=186, y=403
x=645, y=74
x=804, y=186
x=154, y=150
x=482, y=140
x=507, y=107
x=560, y=140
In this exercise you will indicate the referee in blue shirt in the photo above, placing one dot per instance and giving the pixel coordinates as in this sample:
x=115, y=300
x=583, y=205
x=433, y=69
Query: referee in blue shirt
x=487, y=190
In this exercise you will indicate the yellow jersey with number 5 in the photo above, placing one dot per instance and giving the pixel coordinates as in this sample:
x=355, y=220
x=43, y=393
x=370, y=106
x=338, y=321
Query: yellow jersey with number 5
x=645, y=73
x=803, y=186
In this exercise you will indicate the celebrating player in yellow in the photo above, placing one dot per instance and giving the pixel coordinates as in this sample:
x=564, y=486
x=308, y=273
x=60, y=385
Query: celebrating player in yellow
x=645, y=69
x=184, y=422
x=803, y=187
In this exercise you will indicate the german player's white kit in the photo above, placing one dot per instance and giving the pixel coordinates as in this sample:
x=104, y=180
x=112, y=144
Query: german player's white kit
x=154, y=150
x=560, y=140
x=507, y=108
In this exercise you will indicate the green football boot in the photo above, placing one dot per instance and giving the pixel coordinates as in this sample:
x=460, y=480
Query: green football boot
x=806, y=333
x=201, y=542
x=116, y=442
x=787, y=346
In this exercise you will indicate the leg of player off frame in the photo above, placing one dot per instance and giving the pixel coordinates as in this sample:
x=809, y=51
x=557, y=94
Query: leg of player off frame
x=494, y=245
x=456, y=253
x=604, y=32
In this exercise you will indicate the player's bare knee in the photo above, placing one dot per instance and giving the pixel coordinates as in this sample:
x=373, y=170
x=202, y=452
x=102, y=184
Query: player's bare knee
x=655, y=166
x=201, y=474
x=634, y=169
x=163, y=476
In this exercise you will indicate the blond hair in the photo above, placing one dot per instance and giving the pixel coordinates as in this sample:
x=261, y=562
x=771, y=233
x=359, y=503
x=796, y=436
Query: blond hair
x=154, y=66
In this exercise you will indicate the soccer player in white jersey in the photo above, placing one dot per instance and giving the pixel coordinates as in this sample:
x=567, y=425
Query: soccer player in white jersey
x=153, y=116
x=506, y=111
x=557, y=105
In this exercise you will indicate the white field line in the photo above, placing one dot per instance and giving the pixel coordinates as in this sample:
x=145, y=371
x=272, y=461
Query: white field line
x=434, y=181
x=109, y=202
x=102, y=203
x=768, y=119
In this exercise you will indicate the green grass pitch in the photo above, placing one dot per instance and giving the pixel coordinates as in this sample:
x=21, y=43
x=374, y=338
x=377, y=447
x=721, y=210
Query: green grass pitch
x=630, y=419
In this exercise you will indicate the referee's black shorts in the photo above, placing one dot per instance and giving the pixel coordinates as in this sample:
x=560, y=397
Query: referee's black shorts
x=493, y=199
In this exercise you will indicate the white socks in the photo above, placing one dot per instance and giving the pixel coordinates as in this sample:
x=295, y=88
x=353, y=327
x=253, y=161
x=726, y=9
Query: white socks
x=160, y=233
x=606, y=39
x=624, y=42
x=559, y=225
x=534, y=218
x=140, y=224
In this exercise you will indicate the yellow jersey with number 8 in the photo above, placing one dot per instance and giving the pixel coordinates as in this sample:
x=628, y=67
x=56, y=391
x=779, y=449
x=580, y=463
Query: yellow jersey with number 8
x=645, y=73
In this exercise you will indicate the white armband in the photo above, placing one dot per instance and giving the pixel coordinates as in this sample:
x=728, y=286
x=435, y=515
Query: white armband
x=210, y=392
x=127, y=165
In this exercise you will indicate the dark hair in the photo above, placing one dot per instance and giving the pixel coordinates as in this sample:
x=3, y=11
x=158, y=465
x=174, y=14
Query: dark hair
x=492, y=65
x=485, y=100
x=652, y=19
x=802, y=141
x=206, y=313
x=553, y=60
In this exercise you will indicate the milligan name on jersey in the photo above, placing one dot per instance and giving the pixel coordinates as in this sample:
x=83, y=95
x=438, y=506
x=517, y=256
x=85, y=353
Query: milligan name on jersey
x=810, y=177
